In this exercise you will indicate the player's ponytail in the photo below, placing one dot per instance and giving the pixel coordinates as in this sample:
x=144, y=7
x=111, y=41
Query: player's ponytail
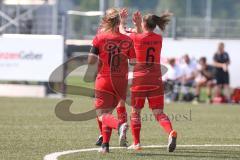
x=110, y=20
x=152, y=21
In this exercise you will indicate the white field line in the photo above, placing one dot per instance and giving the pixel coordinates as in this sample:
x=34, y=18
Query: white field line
x=55, y=155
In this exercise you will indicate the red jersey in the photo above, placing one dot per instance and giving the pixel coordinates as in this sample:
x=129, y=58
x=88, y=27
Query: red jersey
x=148, y=50
x=113, y=50
x=147, y=81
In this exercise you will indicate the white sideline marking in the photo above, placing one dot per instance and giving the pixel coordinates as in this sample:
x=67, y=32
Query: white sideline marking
x=55, y=155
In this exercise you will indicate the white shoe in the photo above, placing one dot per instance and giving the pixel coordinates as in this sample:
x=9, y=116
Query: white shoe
x=104, y=148
x=122, y=135
x=195, y=102
x=136, y=147
x=172, y=141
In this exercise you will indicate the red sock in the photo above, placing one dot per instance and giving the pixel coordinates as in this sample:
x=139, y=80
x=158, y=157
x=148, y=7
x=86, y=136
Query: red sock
x=110, y=121
x=164, y=122
x=122, y=114
x=99, y=126
x=136, y=127
x=106, y=133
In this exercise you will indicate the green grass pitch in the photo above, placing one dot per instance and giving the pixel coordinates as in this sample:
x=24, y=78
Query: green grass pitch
x=30, y=130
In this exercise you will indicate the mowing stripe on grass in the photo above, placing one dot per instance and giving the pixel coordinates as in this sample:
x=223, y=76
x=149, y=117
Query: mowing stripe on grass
x=55, y=155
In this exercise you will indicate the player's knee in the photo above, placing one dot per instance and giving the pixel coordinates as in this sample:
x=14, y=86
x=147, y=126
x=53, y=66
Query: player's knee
x=100, y=118
x=101, y=112
x=121, y=103
x=226, y=86
x=157, y=111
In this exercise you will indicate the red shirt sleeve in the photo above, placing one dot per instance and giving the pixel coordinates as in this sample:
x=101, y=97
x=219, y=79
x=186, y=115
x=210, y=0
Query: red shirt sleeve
x=95, y=42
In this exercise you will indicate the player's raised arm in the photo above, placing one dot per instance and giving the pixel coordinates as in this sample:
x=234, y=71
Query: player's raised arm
x=123, y=20
x=136, y=18
x=137, y=21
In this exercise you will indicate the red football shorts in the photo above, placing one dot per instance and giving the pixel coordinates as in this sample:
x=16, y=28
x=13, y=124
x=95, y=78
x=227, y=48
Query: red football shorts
x=153, y=92
x=109, y=91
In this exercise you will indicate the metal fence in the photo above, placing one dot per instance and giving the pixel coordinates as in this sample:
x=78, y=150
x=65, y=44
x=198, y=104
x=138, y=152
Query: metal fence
x=84, y=27
x=203, y=28
x=44, y=20
x=29, y=19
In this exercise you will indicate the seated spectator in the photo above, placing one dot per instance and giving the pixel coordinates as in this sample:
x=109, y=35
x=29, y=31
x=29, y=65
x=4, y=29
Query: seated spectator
x=173, y=78
x=204, y=78
x=188, y=69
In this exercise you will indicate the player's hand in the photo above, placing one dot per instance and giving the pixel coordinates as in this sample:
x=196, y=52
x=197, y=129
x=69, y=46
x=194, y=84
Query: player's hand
x=137, y=18
x=123, y=15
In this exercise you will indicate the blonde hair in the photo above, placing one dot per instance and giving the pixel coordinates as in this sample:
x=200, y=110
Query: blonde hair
x=152, y=21
x=110, y=20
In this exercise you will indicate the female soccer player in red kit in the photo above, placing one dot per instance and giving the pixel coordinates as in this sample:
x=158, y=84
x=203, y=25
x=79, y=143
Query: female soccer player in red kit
x=121, y=109
x=112, y=50
x=147, y=81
